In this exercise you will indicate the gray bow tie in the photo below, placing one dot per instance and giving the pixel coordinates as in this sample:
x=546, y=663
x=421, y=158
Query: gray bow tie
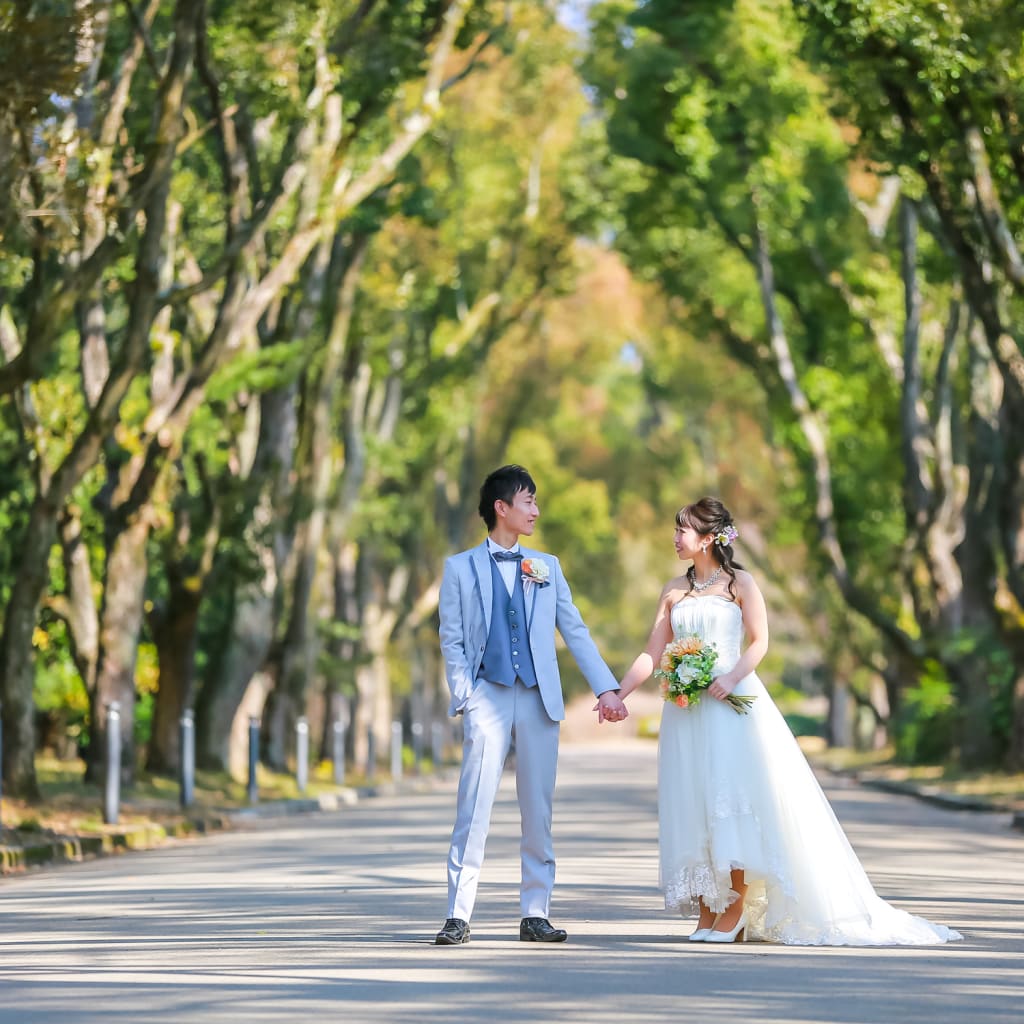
x=507, y=556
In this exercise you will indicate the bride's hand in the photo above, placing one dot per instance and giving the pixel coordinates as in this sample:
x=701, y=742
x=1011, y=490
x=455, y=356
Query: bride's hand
x=610, y=708
x=722, y=686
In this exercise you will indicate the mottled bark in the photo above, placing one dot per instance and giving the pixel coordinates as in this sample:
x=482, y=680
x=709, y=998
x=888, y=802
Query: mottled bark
x=175, y=630
x=1015, y=755
x=78, y=608
x=339, y=687
x=121, y=620
x=971, y=221
x=254, y=605
x=244, y=652
x=917, y=483
x=814, y=434
x=17, y=670
x=299, y=646
x=379, y=596
x=175, y=635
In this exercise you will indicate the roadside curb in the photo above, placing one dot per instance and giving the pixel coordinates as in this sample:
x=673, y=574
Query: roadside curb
x=78, y=847
x=935, y=795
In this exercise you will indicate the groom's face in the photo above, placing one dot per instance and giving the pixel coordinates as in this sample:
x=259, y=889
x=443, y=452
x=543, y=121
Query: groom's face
x=521, y=514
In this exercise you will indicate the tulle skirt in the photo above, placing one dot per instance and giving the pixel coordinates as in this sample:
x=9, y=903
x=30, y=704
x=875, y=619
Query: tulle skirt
x=735, y=791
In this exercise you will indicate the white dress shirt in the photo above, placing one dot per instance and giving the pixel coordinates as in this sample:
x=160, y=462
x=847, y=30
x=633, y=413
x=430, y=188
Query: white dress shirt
x=508, y=569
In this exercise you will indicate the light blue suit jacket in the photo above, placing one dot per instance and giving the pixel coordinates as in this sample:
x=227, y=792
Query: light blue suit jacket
x=465, y=612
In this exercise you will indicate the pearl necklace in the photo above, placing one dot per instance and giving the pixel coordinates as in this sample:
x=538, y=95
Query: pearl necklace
x=709, y=582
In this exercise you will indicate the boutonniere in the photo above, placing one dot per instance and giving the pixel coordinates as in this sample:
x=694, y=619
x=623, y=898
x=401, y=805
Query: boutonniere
x=535, y=570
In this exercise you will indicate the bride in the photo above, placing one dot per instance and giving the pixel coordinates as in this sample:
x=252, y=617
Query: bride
x=747, y=838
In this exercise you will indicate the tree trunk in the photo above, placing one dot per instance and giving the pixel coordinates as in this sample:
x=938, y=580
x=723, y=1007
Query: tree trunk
x=175, y=629
x=18, y=663
x=299, y=646
x=81, y=615
x=175, y=634
x=984, y=291
x=975, y=552
x=339, y=687
x=1015, y=754
x=933, y=503
x=814, y=435
x=379, y=598
x=245, y=651
x=254, y=606
x=121, y=622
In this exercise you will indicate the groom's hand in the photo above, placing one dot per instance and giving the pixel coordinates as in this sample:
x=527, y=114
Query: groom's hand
x=610, y=708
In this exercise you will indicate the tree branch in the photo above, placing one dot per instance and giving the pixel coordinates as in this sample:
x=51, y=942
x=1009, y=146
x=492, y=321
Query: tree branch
x=814, y=435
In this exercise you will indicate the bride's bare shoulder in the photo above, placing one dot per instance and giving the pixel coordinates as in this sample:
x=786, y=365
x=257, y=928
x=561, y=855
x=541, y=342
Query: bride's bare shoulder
x=675, y=590
x=745, y=583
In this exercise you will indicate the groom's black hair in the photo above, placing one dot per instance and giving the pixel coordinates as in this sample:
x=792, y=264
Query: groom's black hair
x=503, y=485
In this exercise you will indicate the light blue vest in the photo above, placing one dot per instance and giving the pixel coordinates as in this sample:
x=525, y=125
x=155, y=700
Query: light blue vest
x=507, y=654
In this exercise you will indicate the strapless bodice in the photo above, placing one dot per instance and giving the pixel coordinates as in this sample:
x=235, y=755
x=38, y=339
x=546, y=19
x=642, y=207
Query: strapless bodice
x=715, y=619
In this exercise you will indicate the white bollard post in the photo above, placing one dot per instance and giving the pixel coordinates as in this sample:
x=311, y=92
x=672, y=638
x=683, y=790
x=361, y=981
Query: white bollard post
x=396, y=750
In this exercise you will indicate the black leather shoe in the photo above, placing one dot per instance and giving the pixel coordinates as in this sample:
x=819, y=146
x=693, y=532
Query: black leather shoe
x=538, y=929
x=454, y=933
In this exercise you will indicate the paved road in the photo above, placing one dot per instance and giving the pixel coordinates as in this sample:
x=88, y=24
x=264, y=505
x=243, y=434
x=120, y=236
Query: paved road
x=328, y=918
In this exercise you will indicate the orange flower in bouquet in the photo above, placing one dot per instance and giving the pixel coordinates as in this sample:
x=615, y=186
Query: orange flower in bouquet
x=686, y=671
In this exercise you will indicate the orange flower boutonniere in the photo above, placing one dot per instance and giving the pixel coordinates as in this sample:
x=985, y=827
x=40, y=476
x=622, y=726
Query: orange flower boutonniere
x=535, y=570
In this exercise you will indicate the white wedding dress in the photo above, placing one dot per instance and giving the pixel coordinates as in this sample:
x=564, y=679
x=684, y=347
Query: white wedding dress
x=735, y=791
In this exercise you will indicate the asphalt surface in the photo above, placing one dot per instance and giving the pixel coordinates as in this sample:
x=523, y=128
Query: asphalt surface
x=331, y=916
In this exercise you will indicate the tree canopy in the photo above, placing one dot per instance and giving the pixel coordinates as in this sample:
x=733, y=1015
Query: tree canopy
x=281, y=282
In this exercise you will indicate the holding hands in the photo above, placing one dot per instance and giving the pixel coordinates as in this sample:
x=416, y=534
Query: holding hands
x=609, y=707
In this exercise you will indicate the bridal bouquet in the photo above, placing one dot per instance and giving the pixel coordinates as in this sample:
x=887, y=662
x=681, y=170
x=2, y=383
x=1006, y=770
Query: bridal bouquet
x=685, y=673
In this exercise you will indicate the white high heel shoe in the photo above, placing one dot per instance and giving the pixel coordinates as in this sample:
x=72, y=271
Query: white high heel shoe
x=738, y=934
x=699, y=935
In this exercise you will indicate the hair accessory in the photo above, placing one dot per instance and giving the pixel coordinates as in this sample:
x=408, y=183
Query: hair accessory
x=726, y=536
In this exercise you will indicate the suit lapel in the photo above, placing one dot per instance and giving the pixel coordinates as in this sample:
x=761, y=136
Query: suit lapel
x=481, y=562
x=531, y=597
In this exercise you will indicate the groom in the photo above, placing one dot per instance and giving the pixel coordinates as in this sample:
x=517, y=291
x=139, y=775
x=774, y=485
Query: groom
x=499, y=607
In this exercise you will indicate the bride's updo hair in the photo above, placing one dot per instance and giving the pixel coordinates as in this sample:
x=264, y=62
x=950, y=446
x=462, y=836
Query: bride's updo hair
x=709, y=517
